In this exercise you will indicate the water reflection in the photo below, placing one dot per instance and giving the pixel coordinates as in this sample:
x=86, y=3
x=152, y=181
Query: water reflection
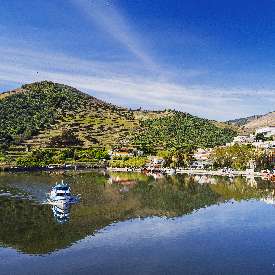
x=125, y=182
x=251, y=181
x=35, y=228
x=204, y=179
x=61, y=213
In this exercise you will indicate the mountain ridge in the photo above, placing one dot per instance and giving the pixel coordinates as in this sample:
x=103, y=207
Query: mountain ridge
x=251, y=123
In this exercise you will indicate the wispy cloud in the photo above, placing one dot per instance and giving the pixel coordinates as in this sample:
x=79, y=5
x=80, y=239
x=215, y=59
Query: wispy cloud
x=127, y=87
x=111, y=20
x=141, y=81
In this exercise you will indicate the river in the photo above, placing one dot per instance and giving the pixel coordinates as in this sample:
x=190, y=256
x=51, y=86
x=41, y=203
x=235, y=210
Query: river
x=130, y=223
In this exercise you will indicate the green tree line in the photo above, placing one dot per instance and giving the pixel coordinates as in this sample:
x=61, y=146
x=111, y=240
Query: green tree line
x=179, y=130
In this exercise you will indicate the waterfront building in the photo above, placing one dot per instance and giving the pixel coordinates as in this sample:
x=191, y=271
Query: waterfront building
x=202, y=158
x=202, y=154
x=156, y=162
x=121, y=153
x=266, y=131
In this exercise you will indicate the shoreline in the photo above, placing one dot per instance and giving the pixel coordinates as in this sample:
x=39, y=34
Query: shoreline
x=49, y=168
x=165, y=171
x=169, y=171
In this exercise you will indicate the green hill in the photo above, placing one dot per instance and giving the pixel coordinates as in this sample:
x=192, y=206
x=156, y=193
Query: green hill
x=45, y=109
x=43, y=113
x=181, y=129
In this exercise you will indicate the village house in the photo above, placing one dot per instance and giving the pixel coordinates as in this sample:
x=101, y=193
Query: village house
x=121, y=153
x=266, y=131
x=202, y=154
x=125, y=153
x=202, y=158
x=156, y=162
x=244, y=139
x=264, y=144
x=251, y=139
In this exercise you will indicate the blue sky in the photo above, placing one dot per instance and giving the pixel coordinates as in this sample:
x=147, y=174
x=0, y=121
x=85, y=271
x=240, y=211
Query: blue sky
x=214, y=59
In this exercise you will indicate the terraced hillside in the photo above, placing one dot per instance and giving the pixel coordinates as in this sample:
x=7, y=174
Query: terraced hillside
x=43, y=110
x=39, y=114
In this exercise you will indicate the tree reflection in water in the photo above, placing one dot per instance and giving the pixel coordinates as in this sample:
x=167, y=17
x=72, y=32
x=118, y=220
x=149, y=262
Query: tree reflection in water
x=32, y=227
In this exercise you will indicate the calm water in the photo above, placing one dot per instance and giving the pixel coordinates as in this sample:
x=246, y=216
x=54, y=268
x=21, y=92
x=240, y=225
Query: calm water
x=136, y=224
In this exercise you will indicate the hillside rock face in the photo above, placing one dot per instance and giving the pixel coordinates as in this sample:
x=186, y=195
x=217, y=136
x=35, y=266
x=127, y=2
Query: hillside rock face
x=250, y=124
x=242, y=121
x=263, y=121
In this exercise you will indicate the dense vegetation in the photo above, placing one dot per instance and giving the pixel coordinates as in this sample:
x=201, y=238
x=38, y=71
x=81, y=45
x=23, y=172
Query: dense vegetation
x=66, y=139
x=182, y=157
x=50, y=115
x=43, y=110
x=36, y=107
x=238, y=157
x=134, y=162
x=44, y=157
x=179, y=130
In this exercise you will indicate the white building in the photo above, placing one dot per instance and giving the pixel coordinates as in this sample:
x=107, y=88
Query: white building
x=202, y=158
x=264, y=144
x=125, y=153
x=156, y=162
x=121, y=153
x=266, y=131
x=202, y=154
x=243, y=139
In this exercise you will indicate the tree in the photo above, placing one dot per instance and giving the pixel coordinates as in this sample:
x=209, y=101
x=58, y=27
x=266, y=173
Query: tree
x=262, y=137
x=66, y=139
x=177, y=157
x=238, y=157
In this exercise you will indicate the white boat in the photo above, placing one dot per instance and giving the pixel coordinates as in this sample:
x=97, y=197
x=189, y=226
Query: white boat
x=60, y=193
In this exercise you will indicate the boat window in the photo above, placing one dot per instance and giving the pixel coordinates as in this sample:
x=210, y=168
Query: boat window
x=60, y=194
x=62, y=188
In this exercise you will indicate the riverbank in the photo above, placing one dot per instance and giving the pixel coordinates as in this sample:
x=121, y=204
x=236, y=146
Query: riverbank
x=54, y=167
x=170, y=171
x=165, y=171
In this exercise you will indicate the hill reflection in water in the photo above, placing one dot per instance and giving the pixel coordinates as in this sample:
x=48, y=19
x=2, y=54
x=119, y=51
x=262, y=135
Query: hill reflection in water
x=30, y=226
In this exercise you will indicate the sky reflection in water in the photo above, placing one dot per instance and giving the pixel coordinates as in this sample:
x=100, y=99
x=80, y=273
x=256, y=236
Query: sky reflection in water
x=130, y=223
